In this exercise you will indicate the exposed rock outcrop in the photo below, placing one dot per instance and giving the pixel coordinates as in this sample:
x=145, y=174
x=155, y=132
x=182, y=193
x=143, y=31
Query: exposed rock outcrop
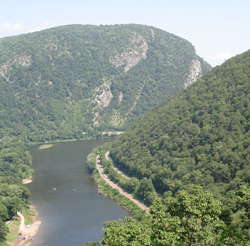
x=103, y=95
x=116, y=119
x=120, y=97
x=133, y=55
x=23, y=61
x=194, y=74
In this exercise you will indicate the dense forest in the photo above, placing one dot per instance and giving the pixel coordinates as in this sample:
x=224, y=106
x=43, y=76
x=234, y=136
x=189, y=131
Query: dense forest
x=15, y=164
x=192, y=149
x=191, y=217
x=72, y=82
x=199, y=136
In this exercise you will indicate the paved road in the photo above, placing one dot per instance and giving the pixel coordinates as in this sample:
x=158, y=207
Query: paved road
x=112, y=184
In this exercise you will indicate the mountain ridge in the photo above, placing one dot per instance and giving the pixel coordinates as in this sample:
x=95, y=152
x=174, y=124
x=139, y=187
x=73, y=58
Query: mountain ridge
x=198, y=136
x=63, y=81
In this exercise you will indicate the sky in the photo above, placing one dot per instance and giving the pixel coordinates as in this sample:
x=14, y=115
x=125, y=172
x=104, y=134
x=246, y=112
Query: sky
x=218, y=29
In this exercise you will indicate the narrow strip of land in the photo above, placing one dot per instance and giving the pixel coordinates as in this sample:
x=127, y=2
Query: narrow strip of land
x=119, y=171
x=122, y=173
x=113, y=185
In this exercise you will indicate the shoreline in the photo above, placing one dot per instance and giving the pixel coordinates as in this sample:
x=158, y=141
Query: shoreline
x=45, y=146
x=32, y=230
x=112, y=198
x=115, y=186
x=70, y=140
x=36, y=222
x=27, y=180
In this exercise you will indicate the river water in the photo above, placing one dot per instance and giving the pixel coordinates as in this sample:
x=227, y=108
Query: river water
x=74, y=213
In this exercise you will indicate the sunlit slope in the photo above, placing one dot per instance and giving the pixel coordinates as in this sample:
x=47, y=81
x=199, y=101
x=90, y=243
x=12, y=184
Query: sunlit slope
x=198, y=136
x=75, y=81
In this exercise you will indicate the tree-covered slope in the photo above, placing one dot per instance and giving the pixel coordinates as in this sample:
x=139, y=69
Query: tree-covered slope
x=199, y=136
x=61, y=82
x=15, y=164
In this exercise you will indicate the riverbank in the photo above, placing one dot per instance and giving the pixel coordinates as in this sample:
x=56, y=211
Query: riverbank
x=113, y=185
x=57, y=141
x=27, y=181
x=32, y=230
x=73, y=140
x=75, y=200
x=46, y=146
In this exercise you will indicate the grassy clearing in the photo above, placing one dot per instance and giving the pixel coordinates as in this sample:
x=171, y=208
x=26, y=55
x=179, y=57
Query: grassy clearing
x=29, y=212
x=14, y=229
x=4, y=244
x=27, y=219
x=45, y=146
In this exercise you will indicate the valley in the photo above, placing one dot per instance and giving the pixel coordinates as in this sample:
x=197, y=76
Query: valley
x=164, y=135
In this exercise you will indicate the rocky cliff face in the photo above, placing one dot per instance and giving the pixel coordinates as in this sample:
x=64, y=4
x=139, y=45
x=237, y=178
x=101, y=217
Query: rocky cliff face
x=130, y=57
x=102, y=96
x=75, y=79
x=194, y=74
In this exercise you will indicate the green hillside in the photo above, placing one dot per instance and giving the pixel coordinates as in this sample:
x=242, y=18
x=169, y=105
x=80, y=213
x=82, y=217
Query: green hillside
x=198, y=136
x=15, y=164
x=76, y=81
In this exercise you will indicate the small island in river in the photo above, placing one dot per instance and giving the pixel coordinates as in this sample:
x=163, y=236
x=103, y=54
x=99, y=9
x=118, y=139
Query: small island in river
x=46, y=146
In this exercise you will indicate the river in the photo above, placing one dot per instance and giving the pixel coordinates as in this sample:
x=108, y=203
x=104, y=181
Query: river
x=73, y=213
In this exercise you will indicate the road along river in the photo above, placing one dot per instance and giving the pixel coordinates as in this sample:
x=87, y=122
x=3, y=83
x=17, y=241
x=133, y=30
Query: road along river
x=66, y=198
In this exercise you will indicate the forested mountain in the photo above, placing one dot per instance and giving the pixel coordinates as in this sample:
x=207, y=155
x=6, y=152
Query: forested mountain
x=200, y=135
x=68, y=81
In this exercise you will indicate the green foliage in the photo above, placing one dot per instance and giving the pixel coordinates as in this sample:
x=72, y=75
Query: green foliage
x=134, y=185
x=107, y=189
x=146, y=191
x=199, y=136
x=53, y=81
x=244, y=197
x=91, y=160
x=241, y=218
x=189, y=219
x=3, y=231
x=14, y=166
x=93, y=244
x=29, y=212
x=229, y=234
x=126, y=232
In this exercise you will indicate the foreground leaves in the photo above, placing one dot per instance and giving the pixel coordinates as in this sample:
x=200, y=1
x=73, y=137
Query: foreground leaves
x=189, y=219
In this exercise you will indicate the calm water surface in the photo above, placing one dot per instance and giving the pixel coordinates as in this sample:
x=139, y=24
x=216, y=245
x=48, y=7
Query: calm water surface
x=69, y=217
